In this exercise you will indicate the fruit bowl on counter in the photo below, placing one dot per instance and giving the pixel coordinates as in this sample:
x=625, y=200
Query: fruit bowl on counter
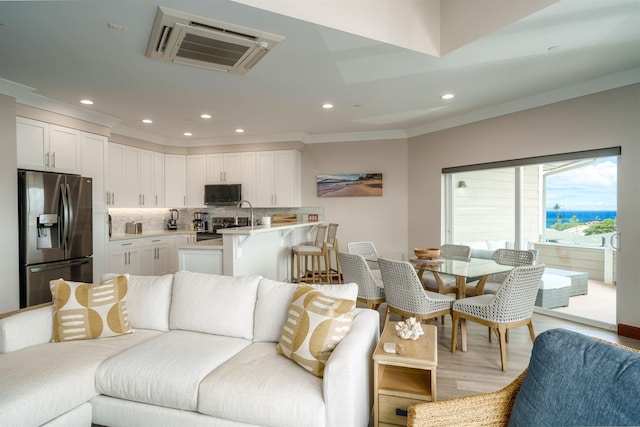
x=427, y=253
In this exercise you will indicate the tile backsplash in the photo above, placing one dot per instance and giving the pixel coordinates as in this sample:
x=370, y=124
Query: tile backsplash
x=154, y=220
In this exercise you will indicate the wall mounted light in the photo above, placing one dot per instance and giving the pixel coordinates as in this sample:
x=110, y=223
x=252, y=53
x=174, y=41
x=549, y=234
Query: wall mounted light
x=462, y=184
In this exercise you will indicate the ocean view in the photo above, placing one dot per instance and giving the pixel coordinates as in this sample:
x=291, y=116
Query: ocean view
x=583, y=216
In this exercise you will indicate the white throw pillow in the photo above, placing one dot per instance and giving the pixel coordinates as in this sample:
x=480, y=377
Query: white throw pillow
x=213, y=304
x=273, y=301
x=148, y=300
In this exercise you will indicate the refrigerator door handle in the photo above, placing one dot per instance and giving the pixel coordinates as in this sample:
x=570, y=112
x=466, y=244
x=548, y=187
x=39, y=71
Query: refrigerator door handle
x=56, y=267
x=65, y=215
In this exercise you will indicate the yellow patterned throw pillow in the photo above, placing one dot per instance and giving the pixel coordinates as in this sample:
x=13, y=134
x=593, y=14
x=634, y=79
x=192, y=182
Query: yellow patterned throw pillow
x=84, y=310
x=315, y=324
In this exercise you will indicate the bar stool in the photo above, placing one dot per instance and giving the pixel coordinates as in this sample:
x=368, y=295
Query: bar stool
x=332, y=253
x=304, y=255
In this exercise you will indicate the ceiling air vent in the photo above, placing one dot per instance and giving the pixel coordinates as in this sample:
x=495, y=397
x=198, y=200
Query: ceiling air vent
x=193, y=40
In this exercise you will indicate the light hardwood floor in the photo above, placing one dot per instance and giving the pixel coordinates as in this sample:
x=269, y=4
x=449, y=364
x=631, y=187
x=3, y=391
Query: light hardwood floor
x=478, y=369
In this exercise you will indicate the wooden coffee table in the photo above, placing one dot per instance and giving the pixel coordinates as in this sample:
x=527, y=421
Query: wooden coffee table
x=401, y=380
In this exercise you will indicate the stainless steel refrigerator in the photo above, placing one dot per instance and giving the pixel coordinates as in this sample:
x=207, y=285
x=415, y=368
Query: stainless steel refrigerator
x=56, y=239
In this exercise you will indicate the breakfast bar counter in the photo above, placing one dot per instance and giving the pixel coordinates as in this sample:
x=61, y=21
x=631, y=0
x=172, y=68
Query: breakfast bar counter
x=263, y=250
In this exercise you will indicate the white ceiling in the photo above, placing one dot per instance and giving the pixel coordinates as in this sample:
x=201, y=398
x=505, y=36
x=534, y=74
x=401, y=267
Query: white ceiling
x=54, y=53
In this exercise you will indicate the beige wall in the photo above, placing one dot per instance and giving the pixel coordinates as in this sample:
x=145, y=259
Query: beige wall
x=605, y=119
x=10, y=283
x=382, y=220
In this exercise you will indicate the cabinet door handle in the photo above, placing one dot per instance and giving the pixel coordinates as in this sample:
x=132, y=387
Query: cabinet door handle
x=143, y=200
x=221, y=176
x=156, y=200
x=53, y=160
x=401, y=412
x=46, y=159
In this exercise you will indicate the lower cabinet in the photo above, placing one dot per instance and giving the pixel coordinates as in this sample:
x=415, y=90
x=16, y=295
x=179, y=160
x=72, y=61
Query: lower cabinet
x=144, y=256
x=200, y=260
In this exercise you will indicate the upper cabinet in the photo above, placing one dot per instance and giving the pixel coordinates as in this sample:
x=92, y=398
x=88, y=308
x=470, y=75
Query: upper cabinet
x=47, y=147
x=175, y=180
x=233, y=168
x=94, y=149
x=132, y=177
x=278, y=178
x=196, y=179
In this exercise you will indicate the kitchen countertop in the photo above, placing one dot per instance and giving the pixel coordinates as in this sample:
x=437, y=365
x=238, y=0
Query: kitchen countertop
x=256, y=229
x=159, y=233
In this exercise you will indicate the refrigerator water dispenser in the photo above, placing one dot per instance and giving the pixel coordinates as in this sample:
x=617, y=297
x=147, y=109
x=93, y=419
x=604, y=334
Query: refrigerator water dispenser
x=48, y=232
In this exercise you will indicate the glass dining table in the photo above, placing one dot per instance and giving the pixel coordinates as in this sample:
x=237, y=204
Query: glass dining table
x=474, y=269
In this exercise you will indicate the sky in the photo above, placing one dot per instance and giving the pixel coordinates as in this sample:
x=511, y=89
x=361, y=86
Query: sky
x=590, y=188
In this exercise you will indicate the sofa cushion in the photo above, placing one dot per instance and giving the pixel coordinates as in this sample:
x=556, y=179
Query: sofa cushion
x=218, y=305
x=86, y=310
x=166, y=370
x=148, y=300
x=42, y=382
x=273, y=301
x=27, y=328
x=316, y=323
x=574, y=380
x=279, y=391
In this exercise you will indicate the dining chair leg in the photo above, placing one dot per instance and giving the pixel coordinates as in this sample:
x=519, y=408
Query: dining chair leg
x=532, y=333
x=454, y=331
x=502, y=332
x=463, y=333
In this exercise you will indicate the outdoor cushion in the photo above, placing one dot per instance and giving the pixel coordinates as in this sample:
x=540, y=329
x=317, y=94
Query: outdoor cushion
x=574, y=380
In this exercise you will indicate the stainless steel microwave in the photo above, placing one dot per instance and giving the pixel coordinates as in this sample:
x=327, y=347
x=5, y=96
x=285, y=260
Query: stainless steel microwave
x=222, y=194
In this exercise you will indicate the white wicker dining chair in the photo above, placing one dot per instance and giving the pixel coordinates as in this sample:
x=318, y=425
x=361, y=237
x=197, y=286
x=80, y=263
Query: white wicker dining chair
x=405, y=294
x=512, y=257
x=510, y=307
x=446, y=283
x=356, y=270
x=365, y=249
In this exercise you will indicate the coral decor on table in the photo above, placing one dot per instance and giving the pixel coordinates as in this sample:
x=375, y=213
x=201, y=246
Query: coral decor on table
x=409, y=329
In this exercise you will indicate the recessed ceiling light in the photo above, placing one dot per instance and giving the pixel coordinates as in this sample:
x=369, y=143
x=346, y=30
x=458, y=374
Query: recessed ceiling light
x=205, y=116
x=239, y=130
x=86, y=102
x=448, y=96
x=147, y=121
x=327, y=106
x=187, y=134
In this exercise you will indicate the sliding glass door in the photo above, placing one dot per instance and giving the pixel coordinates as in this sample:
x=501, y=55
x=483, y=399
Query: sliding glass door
x=564, y=209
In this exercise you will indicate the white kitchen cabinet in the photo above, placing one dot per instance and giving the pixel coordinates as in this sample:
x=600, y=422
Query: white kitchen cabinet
x=116, y=193
x=196, y=179
x=278, y=178
x=125, y=257
x=201, y=260
x=155, y=255
x=47, y=147
x=233, y=168
x=158, y=181
x=175, y=180
x=138, y=177
x=215, y=168
x=94, y=149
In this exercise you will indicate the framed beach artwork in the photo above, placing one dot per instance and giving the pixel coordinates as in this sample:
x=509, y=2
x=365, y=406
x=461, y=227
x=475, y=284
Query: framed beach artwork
x=349, y=185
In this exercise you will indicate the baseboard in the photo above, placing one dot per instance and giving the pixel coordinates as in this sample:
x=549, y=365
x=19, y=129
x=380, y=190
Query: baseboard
x=629, y=331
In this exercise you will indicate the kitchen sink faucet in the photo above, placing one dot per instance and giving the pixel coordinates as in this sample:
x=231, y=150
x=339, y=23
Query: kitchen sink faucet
x=240, y=205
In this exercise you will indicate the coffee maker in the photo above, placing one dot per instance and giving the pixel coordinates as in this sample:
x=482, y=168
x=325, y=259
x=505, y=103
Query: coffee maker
x=200, y=221
x=172, y=222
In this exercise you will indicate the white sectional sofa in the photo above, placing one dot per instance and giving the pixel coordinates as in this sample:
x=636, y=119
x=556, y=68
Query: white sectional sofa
x=203, y=353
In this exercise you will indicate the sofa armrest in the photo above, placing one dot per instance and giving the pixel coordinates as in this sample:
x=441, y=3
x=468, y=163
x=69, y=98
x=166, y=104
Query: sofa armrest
x=348, y=374
x=487, y=409
x=26, y=328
